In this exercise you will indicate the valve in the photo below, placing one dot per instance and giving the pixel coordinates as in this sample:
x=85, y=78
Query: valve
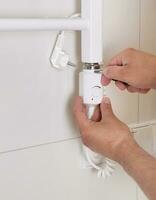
x=91, y=88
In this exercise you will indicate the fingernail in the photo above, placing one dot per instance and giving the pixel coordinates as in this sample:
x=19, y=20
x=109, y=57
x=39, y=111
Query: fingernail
x=106, y=100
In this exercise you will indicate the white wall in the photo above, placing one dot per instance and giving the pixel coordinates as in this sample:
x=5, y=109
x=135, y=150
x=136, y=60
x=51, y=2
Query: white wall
x=40, y=149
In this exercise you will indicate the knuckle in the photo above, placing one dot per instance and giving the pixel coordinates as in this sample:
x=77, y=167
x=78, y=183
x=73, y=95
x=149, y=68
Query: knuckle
x=130, y=50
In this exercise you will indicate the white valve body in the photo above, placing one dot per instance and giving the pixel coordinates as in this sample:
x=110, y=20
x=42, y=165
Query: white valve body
x=91, y=88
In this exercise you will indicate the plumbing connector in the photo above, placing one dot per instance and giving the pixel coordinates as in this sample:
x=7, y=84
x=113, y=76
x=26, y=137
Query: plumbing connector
x=59, y=59
x=91, y=88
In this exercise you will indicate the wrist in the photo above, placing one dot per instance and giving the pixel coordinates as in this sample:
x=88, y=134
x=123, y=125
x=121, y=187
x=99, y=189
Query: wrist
x=126, y=152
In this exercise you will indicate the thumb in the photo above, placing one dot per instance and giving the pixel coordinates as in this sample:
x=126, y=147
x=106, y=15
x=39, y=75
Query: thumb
x=118, y=73
x=80, y=113
x=106, y=108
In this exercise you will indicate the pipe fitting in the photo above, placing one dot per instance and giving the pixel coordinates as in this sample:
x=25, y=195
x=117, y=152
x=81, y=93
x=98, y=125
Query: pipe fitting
x=92, y=66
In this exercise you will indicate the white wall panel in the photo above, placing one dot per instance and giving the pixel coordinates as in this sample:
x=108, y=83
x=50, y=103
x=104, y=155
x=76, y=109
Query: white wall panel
x=35, y=100
x=38, y=8
x=53, y=172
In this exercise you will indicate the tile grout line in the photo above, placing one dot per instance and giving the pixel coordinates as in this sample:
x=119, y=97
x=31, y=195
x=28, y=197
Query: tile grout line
x=39, y=145
x=139, y=37
x=140, y=24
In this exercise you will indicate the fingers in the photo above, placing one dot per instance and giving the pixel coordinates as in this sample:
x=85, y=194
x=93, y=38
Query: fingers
x=103, y=111
x=80, y=113
x=97, y=115
x=105, y=81
x=123, y=86
x=106, y=108
x=131, y=89
x=116, y=61
x=144, y=91
x=118, y=67
x=120, y=85
x=119, y=73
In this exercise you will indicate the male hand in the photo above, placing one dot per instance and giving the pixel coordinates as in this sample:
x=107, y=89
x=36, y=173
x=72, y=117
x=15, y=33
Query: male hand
x=105, y=133
x=132, y=70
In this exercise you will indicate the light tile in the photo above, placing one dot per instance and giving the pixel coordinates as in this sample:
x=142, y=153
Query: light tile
x=147, y=110
x=125, y=105
x=53, y=172
x=145, y=139
x=154, y=140
x=121, y=30
x=148, y=44
x=148, y=31
x=147, y=102
x=40, y=8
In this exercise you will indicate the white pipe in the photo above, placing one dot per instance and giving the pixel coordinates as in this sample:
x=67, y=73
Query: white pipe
x=92, y=41
x=43, y=24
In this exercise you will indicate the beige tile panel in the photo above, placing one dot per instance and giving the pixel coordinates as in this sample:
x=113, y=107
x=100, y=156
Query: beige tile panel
x=145, y=139
x=148, y=44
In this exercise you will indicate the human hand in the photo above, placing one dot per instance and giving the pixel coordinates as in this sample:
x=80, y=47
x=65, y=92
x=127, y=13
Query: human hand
x=133, y=70
x=104, y=133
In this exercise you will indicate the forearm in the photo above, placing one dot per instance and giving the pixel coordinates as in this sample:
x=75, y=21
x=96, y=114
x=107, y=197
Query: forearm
x=142, y=167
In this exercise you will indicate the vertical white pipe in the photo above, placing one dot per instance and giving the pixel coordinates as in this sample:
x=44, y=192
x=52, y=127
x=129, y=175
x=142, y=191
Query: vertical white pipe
x=92, y=38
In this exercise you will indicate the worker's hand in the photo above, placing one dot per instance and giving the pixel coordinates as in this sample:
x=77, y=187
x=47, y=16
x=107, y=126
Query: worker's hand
x=105, y=133
x=134, y=68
